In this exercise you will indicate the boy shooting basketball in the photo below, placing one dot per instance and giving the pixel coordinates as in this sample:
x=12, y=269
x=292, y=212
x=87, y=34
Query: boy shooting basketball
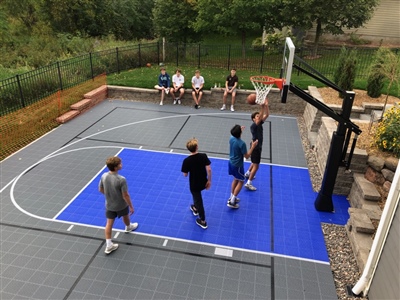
x=237, y=150
x=197, y=165
x=256, y=130
x=118, y=200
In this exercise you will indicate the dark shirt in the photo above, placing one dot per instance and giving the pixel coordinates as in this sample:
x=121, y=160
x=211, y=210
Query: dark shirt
x=195, y=165
x=257, y=133
x=231, y=80
x=164, y=80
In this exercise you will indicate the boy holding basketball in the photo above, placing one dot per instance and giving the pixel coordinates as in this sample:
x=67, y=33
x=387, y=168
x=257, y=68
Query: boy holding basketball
x=237, y=150
x=118, y=200
x=256, y=130
x=198, y=166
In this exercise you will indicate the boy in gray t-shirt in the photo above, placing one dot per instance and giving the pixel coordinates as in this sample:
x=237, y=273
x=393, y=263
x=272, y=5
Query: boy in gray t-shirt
x=118, y=200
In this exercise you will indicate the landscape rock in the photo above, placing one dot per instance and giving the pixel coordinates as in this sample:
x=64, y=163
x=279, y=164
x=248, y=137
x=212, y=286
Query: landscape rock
x=376, y=163
x=374, y=176
x=391, y=163
x=386, y=186
x=388, y=174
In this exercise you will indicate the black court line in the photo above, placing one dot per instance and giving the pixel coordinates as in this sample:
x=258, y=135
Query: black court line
x=271, y=208
x=164, y=249
x=179, y=131
x=72, y=288
x=76, y=136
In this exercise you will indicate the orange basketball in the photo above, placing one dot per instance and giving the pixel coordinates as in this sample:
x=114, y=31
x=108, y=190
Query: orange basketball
x=251, y=99
x=148, y=65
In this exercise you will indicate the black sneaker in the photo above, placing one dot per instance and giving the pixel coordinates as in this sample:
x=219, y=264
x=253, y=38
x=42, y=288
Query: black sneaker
x=196, y=106
x=202, y=224
x=194, y=210
x=237, y=200
x=232, y=205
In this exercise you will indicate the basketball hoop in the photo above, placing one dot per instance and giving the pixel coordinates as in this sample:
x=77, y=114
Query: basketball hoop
x=263, y=84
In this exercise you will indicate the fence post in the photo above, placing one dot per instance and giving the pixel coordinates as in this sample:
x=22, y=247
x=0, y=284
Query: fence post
x=59, y=75
x=117, y=54
x=158, y=53
x=229, y=57
x=140, y=57
x=177, y=54
x=262, y=58
x=20, y=91
x=198, y=61
x=91, y=64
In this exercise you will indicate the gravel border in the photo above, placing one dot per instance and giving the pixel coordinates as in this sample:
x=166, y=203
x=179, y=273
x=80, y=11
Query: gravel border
x=341, y=257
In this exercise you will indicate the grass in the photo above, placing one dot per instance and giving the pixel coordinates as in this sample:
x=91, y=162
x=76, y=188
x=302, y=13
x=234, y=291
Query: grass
x=147, y=77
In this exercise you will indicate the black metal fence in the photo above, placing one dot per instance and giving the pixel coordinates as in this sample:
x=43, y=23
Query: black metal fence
x=24, y=89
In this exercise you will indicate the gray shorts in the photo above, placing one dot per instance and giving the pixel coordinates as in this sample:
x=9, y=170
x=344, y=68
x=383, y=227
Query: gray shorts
x=113, y=214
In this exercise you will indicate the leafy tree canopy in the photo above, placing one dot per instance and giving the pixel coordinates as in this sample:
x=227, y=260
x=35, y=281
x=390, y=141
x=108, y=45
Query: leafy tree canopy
x=174, y=20
x=328, y=16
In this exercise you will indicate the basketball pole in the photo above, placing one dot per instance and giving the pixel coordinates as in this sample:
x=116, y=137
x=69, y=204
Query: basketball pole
x=324, y=202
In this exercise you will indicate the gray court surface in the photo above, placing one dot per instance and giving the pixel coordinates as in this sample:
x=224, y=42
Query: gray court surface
x=42, y=258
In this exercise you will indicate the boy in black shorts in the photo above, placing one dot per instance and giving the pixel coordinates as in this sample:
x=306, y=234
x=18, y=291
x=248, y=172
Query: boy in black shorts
x=198, y=166
x=118, y=200
x=257, y=134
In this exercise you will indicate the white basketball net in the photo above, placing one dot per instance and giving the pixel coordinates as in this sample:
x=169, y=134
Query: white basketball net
x=262, y=85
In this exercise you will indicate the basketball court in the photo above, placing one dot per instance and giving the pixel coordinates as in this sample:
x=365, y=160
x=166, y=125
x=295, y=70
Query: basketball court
x=52, y=215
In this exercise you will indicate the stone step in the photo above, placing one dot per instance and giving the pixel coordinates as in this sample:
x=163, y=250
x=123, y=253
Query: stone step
x=81, y=105
x=361, y=244
x=360, y=220
x=67, y=116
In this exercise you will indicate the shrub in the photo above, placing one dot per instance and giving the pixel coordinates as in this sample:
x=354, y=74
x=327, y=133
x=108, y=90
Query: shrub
x=387, y=135
x=345, y=73
x=375, y=84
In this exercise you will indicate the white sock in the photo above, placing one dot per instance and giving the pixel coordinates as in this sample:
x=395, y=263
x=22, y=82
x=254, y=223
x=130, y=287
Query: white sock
x=249, y=181
x=233, y=198
x=109, y=242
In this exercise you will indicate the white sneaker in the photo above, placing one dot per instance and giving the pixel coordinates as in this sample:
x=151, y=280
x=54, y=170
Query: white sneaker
x=232, y=109
x=161, y=103
x=175, y=100
x=250, y=187
x=179, y=101
x=247, y=174
x=110, y=249
x=131, y=227
x=166, y=91
x=223, y=107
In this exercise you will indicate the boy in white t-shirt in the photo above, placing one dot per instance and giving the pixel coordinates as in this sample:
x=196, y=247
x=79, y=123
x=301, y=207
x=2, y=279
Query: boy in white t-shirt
x=178, y=81
x=197, y=88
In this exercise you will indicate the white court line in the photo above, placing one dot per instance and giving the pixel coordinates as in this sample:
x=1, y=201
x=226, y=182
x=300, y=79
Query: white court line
x=70, y=227
x=82, y=189
x=56, y=154
x=165, y=243
x=116, y=235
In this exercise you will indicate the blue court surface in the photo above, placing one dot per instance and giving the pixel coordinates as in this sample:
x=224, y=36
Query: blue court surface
x=278, y=218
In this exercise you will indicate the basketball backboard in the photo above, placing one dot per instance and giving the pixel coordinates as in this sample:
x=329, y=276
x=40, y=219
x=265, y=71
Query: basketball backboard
x=287, y=66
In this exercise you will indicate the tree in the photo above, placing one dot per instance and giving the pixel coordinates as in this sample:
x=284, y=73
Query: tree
x=232, y=17
x=174, y=20
x=328, y=16
x=131, y=19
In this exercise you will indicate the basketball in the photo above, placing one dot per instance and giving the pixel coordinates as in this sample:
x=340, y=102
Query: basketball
x=148, y=65
x=251, y=99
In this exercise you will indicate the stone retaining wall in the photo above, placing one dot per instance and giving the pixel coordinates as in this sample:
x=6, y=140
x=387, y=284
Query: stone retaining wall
x=212, y=99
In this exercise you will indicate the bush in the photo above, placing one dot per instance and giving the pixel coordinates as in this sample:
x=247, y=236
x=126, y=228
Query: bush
x=387, y=135
x=375, y=84
x=345, y=74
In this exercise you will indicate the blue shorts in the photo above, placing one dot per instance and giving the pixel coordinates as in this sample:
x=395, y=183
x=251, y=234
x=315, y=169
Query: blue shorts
x=113, y=214
x=237, y=172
